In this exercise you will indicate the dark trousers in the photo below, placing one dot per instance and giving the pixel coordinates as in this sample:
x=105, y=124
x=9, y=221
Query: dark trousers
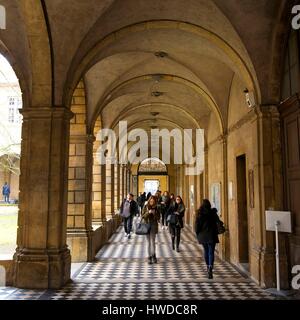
x=163, y=218
x=6, y=198
x=128, y=224
x=209, y=253
x=164, y=211
x=175, y=234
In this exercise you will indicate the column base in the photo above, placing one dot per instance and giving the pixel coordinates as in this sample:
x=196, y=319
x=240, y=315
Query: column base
x=41, y=269
x=266, y=262
x=80, y=244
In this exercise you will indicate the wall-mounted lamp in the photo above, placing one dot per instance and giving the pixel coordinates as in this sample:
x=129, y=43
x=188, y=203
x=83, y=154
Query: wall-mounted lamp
x=250, y=99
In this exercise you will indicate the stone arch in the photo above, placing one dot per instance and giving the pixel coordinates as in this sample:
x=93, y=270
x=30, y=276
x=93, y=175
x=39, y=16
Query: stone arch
x=41, y=85
x=22, y=80
x=87, y=61
x=207, y=97
x=278, y=50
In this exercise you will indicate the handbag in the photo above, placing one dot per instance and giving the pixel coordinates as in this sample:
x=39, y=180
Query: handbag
x=220, y=227
x=142, y=228
x=172, y=219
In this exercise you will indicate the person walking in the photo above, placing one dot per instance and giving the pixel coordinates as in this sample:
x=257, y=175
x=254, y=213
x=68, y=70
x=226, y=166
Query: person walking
x=172, y=203
x=128, y=210
x=141, y=201
x=148, y=196
x=165, y=203
x=6, y=192
x=207, y=233
x=172, y=198
x=158, y=200
x=151, y=215
x=176, y=214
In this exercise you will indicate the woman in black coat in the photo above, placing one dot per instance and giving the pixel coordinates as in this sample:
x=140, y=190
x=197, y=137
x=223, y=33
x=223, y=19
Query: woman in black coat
x=176, y=214
x=207, y=233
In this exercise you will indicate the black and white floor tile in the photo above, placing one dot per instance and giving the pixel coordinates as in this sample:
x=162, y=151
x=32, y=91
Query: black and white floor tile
x=121, y=272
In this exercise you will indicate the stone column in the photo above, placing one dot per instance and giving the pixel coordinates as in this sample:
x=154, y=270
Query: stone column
x=117, y=187
x=268, y=194
x=42, y=259
x=205, y=175
x=129, y=182
x=109, y=190
x=225, y=240
x=103, y=194
x=79, y=222
x=121, y=168
x=125, y=181
x=97, y=182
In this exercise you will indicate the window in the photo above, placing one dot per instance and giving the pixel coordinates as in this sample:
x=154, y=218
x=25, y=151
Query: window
x=14, y=116
x=152, y=165
x=151, y=186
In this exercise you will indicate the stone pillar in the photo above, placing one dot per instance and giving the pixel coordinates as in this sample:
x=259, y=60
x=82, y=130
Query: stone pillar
x=205, y=175
x=121, y=168
x=268, y=187
x=125, y=181
x=225, y=240
x=42, y=259
x=129, y=182
x=103, y=194
x=117, y=187
x=97, y=182
x=79, y=222
x=109, y=190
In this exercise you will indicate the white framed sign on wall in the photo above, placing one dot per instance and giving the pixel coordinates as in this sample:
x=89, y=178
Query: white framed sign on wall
x=215, y=196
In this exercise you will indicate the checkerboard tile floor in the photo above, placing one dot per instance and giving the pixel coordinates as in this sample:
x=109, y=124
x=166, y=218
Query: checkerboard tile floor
x=121, y=272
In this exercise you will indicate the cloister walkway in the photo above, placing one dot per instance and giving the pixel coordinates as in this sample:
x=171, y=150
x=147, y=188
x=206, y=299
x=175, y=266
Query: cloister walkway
x=121, y=271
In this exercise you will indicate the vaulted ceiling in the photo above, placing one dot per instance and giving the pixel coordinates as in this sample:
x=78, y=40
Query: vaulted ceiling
x=152, y=62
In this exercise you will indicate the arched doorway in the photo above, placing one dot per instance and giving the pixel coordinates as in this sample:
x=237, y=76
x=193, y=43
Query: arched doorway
x=10, y=151
x=152, y=176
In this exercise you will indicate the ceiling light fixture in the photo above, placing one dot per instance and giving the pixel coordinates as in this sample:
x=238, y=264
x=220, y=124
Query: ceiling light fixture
x=161, y=54
x=157, y=77
x=156, y=93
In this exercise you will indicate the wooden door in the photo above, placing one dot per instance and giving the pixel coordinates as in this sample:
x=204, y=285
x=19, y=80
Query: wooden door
x=290, y=120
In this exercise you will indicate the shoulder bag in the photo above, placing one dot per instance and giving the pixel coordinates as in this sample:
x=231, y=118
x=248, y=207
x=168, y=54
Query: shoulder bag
x=142, y=228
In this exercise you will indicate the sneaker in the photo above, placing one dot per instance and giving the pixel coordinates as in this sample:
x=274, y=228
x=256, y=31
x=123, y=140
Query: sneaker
x=150, y=260
x=154, y=259
x=126, y=234
x=129, y=236
x=177, y=249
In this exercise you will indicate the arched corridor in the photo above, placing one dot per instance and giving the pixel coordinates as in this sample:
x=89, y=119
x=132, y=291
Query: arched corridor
x=108, y=85
x=121, y=272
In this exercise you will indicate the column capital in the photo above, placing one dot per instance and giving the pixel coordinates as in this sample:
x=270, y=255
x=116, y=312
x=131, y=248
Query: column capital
x=46, y=112
x=84, y=138
x=267, y=110
x=90, y=138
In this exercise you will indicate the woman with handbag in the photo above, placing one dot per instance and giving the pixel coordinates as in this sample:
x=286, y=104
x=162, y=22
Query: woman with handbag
x=175, y=220
x=151, y=215
x=207, y=233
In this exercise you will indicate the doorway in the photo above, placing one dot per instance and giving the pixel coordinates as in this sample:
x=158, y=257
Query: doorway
x=151, y=186
x=290, y=122
x=242, y=210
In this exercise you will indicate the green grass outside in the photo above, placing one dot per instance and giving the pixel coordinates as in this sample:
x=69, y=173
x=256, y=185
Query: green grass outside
x=8, y=229
x=8, y=233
